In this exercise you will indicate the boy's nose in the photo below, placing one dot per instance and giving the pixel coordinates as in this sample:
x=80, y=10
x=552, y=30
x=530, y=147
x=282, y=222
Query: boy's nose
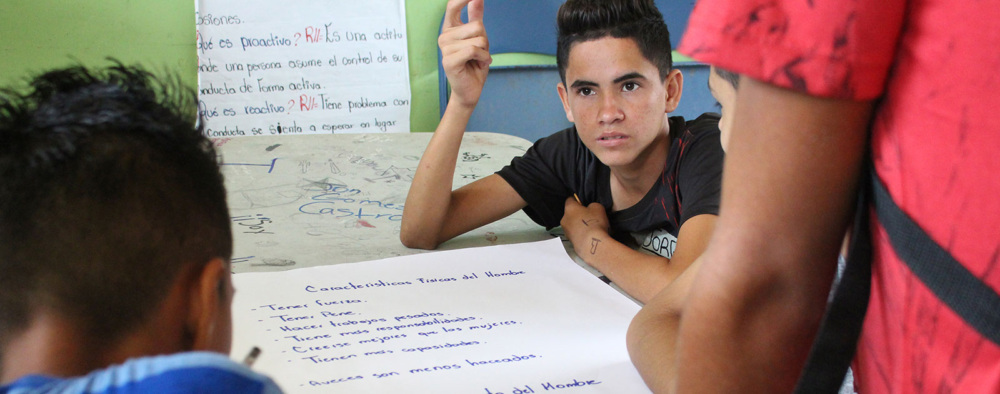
x=610, y=111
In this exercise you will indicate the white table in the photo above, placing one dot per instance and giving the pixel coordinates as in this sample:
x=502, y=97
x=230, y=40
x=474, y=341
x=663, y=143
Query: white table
x=307, y=200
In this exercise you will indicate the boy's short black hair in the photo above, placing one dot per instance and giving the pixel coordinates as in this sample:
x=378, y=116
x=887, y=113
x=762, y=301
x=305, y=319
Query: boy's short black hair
x=108, y=189
x=728, y=76
x=639, y=20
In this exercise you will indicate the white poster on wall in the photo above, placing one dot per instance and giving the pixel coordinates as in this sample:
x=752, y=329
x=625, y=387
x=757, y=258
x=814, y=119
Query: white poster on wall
x=303, y=67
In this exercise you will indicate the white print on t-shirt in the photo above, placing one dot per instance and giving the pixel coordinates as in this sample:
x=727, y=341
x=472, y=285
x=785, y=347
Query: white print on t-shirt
x=658, y=242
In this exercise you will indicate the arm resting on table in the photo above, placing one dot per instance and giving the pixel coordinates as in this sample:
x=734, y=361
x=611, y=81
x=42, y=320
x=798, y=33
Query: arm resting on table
x=641, y=275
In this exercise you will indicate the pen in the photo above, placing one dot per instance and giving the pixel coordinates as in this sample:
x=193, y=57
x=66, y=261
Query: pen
x=251, y=357
x=577, y=198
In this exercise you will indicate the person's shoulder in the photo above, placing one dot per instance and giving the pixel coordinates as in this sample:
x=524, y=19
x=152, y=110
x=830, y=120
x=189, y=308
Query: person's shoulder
x=188, y=360
x=559, y=147
x=199, y=370
x=700, y=139
x=180, y=373
x=32, y=384
x=560, y=139
x=707, y=122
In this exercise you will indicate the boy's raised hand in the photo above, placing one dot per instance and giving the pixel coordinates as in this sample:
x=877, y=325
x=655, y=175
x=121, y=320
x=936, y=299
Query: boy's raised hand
x=465, y=51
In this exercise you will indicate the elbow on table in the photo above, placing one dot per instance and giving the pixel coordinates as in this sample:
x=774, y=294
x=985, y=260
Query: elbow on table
x=636, y=334
x=661, y=314
x=650, y=341
x=416, y=239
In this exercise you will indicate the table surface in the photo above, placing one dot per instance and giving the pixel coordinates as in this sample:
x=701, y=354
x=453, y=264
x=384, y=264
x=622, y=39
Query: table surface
x=307, y=200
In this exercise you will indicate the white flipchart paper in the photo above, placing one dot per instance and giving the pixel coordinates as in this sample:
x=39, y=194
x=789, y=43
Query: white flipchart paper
x=521, y=318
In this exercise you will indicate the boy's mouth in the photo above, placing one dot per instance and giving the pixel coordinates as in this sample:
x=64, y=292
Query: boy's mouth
x=612, y=140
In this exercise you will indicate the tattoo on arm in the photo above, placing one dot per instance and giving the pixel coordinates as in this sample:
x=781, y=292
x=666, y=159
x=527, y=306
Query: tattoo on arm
x=593, y=245
x=587, y=222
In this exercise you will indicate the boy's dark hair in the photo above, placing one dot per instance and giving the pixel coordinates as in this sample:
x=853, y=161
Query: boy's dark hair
x=108, y=189
x=728, y=76
x=587, y=20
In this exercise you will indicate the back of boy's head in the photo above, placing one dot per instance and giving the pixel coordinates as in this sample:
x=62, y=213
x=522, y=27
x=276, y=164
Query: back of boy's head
x=639, y=20
x=108, y=189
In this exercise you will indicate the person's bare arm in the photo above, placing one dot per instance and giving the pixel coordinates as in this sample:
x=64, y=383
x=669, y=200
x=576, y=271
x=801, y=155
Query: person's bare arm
x=641, y=275
x=652, y=336
x=433, y=213
x=755, y=305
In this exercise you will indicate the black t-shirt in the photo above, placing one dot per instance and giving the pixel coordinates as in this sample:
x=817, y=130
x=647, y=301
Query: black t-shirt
x=558, y=166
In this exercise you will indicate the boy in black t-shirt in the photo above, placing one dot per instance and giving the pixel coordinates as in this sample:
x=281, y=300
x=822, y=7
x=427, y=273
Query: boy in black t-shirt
x=642, y=178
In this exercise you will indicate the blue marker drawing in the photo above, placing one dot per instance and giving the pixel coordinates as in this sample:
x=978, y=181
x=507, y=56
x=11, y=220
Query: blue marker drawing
x=270, y=167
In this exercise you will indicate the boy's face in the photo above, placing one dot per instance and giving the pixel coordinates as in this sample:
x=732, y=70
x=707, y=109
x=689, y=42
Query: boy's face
x=615, y=97
x=725, y=94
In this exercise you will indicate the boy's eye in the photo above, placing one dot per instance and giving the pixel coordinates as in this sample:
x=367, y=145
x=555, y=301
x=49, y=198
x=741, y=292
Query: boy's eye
x=585, y=91
x=629, y=86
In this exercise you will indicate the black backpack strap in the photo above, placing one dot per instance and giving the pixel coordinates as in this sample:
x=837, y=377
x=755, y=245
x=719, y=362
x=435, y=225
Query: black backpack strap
x=968, y=296
x=837, y=339
x=972, y=299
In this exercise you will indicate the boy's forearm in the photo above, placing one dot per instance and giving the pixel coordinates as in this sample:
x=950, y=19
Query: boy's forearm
x=641, y=275
x=430, y=193
x=652, y=335
x=651, y=343
x=651, y=347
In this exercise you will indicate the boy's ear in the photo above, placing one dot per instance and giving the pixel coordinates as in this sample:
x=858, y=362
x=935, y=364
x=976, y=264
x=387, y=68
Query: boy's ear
x=208, y=297
x=564, y=96
x=674, y=85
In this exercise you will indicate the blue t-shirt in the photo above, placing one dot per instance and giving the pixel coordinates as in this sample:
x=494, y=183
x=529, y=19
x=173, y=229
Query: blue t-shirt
x=192, y=372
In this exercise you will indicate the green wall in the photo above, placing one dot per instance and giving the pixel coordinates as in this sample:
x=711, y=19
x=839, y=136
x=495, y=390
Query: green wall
x=36, y=35
x=423, y=20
